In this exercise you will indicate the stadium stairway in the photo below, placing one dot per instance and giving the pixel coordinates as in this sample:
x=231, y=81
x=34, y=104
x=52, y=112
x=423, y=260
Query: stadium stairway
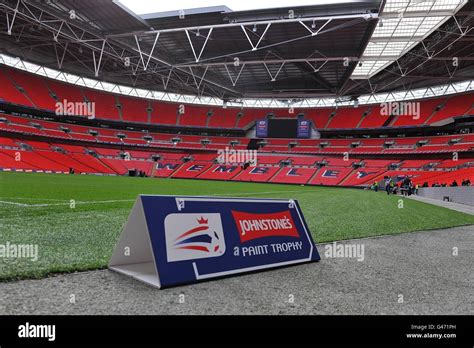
x=343, y=181
x=276, y=174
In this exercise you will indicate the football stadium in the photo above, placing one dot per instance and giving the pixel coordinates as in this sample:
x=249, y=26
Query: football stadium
x=355, y=118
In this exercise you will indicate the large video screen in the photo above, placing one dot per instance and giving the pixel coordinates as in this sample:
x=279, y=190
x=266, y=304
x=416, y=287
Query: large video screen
x=282, y=128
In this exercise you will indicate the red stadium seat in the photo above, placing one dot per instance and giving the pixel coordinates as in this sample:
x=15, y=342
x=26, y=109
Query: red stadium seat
x=257, y=174
x=221, y=172
x=134, y=109
x=35, y=87
x=192, y=170
x=292, y=175
x=10, y=93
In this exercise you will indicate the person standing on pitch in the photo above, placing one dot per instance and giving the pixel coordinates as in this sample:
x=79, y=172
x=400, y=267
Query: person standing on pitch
x=387, y=185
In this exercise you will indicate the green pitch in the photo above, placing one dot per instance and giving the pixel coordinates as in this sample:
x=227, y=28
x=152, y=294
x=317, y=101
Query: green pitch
x=76, y=220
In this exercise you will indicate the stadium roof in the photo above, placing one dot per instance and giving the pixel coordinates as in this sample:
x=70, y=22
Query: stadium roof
x=340, y=50
x=402, y=25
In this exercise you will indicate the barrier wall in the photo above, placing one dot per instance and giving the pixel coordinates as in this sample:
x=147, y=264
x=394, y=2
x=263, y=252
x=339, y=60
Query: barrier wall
x=461, y=194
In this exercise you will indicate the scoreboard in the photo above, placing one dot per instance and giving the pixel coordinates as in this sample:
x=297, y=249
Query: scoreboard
x=283, y=128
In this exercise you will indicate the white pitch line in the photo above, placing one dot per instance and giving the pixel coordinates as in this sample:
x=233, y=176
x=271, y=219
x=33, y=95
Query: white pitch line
x=33, y=199
x=15, y=203
x=66, y=203
x=259, y=193
x=133, y=200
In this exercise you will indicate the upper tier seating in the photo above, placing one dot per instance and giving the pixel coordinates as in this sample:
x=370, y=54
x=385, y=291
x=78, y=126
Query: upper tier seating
x=65, y=91
x=374, y=118
x=347, y=117
x=457, y=105
x=427, y=108
x=164, y=113
x=10, y=93
x=193, y=116
x=105, y=104
x=134, y=109
x=38, y=91
x=223, y=118
x=249, y=116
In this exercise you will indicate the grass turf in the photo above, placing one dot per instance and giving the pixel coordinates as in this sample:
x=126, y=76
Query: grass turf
x=83, y=237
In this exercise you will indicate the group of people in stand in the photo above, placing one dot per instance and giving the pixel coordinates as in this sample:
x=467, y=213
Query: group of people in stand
x=465, y=182
x=406, y=186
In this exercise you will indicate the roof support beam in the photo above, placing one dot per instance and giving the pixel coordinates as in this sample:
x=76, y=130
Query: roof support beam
x=395, y=38
x=152, y=50
x=166, y=82
x=198, y=85
x=48, y=18
x=366, y=16
x=416, y=14
x=274, y=77
x=274, y=61
x=97, y=63
x=198, y=57
x=234, y=82
x=255, y=47
x=60, y=60
x=140, y=51
x=55, y=36
x=10, y=24
x=314, y=33
x=314, y=66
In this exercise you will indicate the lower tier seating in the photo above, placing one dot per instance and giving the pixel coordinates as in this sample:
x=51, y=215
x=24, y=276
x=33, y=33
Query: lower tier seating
x=45, y=146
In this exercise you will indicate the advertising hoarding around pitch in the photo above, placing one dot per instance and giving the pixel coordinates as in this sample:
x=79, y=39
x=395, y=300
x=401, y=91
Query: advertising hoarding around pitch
x=175, y=240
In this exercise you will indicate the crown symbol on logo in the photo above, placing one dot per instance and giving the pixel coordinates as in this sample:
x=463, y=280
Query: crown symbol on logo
x=202, y=221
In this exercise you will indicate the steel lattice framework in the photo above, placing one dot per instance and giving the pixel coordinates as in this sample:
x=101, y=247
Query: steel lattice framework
x=282, y=56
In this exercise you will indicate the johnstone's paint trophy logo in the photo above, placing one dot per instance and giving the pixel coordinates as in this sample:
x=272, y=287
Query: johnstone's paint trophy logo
x=193, y=236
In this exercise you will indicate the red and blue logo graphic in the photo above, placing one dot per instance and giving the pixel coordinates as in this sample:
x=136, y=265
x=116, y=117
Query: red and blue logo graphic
x=362, y=174
x=331, y=174
x=193, y=236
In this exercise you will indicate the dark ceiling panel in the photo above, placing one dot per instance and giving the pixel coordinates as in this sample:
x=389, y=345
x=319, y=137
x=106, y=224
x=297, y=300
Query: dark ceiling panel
x=173, y=56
